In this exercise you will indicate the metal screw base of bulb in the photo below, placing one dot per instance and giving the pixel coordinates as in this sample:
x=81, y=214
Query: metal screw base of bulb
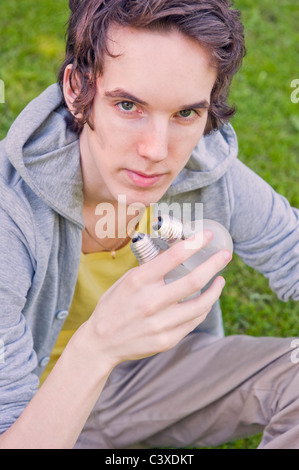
x=144, y=248
x=168, y=228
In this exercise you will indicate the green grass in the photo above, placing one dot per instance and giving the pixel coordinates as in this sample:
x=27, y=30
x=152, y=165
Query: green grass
x=32, y=47
x=267, y=124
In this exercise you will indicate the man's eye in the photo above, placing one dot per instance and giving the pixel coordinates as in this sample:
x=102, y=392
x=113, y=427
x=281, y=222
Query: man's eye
x=126, y=105
x=187, y=113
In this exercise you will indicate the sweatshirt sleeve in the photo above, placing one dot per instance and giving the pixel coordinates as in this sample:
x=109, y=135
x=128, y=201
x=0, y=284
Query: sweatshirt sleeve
x=265, y=230
x=18, y=383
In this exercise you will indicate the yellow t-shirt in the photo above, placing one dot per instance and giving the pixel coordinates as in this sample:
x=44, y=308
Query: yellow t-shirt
x=97, y=272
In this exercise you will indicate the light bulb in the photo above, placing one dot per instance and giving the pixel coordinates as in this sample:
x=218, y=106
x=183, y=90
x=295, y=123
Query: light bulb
x=145, y=249
x=171, y=230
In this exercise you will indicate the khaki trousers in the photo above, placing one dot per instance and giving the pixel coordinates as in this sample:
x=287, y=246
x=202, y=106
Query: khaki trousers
x=204, y=392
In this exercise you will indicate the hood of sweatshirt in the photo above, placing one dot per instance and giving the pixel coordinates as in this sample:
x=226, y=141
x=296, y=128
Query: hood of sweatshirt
x=46, y=154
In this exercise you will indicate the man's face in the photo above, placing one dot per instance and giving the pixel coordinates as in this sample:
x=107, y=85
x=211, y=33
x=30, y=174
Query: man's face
x=149, y=112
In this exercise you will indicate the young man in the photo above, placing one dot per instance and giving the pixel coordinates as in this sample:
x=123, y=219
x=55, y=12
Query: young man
x=142, y=115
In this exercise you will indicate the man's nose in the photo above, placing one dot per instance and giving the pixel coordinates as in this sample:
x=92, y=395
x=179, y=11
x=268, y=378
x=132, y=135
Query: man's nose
x=154, y=140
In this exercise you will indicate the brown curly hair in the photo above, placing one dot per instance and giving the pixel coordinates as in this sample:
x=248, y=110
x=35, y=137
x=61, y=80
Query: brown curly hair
x=213, y=23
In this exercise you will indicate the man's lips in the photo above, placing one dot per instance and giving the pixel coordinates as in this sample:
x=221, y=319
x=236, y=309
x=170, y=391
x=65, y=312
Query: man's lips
x=143, y=180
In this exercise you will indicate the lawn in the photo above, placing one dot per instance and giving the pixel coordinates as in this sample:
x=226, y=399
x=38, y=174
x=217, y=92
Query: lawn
x=267, y=123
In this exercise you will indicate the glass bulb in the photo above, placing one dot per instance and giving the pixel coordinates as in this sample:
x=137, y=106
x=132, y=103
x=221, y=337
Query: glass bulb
x=145, y=249
x=172, y=230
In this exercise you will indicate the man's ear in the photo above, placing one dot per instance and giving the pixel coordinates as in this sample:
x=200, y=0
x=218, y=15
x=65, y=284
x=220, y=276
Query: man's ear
x=70, y=89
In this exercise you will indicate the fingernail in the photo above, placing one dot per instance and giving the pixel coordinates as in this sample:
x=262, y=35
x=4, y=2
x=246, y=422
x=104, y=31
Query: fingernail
x=227, y=255
x=209, y=234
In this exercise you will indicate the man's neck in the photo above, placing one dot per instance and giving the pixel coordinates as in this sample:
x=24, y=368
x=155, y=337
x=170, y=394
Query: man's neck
x=108, y=226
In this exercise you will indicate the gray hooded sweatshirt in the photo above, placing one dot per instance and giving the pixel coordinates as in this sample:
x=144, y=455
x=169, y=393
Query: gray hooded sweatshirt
x=41, y=223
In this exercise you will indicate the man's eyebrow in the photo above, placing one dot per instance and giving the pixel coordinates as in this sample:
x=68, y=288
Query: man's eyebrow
x=120, y=93
x=123, y=94
x=204, y=104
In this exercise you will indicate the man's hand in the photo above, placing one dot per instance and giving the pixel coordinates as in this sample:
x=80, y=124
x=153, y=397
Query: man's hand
x=140, y=315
